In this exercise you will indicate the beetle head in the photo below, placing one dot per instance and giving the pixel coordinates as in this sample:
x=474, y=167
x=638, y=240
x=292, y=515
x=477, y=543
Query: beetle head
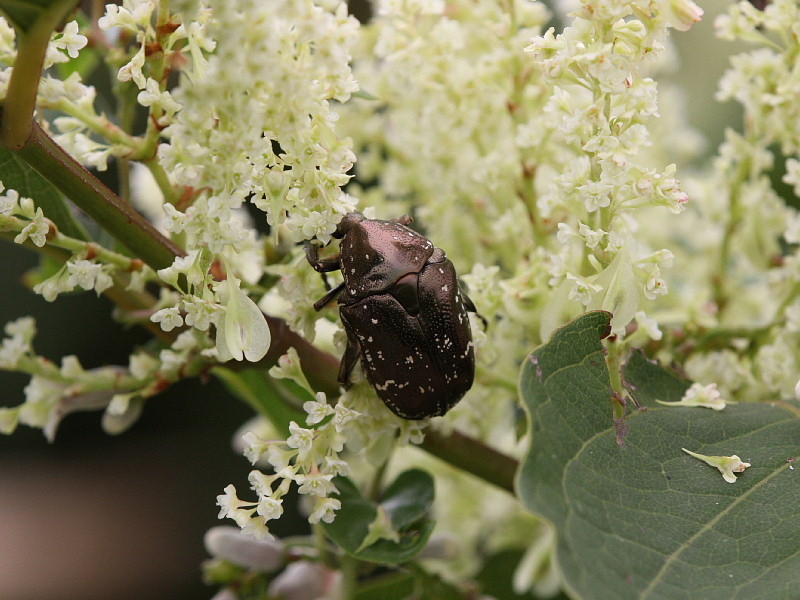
x=348, y=221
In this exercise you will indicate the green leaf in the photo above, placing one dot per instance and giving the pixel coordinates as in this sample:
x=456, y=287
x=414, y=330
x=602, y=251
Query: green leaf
x=647, y=381
x=391, y=586
x=645, y=520
x=278, y=400
x=18, y=175
x=407, y=501
x=22, y=14
x=409, y=497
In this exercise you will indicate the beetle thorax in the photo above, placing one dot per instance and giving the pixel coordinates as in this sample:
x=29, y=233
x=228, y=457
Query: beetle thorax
x=376, y=254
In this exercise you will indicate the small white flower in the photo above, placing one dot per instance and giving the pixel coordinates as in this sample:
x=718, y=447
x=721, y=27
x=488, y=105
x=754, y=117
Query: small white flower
x=727, y=465
x=316, y=485
x=581, y=289
x=682, y=14
x=9, y=202
x=343, y=415
x=229, y=502
x=324, y=510
x=200, y=314
x=36, y=230
x=280, y=458
x=83, y=273
x=699, y=395
x=169, y=318
x=335, y=466
x=117, y=16
x=152, y=95
x=71, y=40
x=254, y=447
x=317, y=409
x=133, y=70
x=270, y=508
x=51, y=287
x=319, y=225
x=24, y=327
x=300, y=438
x=11, y=350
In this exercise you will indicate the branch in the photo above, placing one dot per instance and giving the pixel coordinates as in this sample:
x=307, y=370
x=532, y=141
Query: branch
x=473, y=456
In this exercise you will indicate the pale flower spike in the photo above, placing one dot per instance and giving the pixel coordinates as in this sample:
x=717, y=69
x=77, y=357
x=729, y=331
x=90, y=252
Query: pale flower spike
x=704, y=396
x=727, y=465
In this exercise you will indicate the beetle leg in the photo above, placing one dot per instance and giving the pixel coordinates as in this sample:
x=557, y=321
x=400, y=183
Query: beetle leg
x=404, y=220
x=321, y=265
x=349, y=360
x=470, y=306
x=329, y=297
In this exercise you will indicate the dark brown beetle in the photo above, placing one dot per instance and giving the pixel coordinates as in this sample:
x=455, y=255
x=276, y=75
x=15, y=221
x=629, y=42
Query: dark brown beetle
x=404, y=314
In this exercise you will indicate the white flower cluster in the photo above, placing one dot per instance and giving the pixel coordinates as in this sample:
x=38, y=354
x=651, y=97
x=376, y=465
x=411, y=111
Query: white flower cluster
x=751, y=286
x=598, y=114
x=272, y=141
x=531, y=170
x=77, y=272
x=37, y=228
x=54, y=392
x=312, y=456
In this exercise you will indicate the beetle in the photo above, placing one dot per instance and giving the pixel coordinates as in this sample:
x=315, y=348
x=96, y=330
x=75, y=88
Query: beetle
x=404, y=314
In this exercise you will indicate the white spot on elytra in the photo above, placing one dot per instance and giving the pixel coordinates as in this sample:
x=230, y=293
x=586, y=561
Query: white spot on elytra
x=385, y=385
x=409, y=360
x=445, y=288
x=374, y=321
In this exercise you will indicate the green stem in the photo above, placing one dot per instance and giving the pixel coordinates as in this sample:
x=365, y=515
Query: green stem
x=162, y=179
x=98, y=124
x=157, y=64
x=349, y=582
x=323, y=550
x=20, y=101
x=614, y=362
x=473, y=456
x=74, y=245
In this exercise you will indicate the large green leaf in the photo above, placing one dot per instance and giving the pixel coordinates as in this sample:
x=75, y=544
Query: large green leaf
x=407, y=501
x=645, y=520
x=18, y=175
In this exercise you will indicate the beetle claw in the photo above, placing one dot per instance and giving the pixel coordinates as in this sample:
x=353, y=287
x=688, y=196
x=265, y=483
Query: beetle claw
x=470, y=306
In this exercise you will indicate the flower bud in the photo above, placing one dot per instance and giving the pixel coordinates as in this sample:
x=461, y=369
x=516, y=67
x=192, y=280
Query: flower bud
x=303, y=580
x=231, y=544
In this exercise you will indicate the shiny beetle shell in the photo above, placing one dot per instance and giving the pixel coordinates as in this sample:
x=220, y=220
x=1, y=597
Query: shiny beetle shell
x=404, y=316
